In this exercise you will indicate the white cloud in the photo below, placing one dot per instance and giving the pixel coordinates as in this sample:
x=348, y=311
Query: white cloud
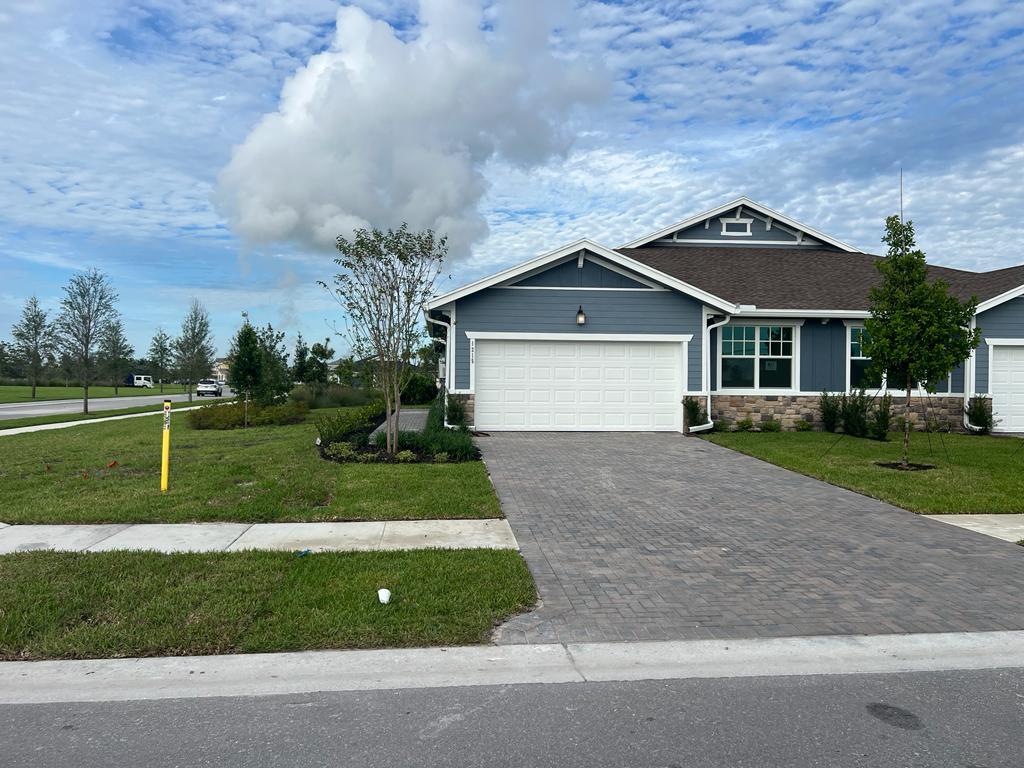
x=377, y=130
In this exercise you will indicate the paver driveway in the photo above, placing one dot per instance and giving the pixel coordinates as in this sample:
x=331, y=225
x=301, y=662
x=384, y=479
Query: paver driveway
x=659, y=536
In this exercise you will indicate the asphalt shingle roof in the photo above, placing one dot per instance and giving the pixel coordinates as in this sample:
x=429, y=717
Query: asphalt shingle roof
x=801, y=278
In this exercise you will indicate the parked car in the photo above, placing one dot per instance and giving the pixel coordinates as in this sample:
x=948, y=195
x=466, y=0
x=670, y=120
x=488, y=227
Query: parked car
x=208, y=387
x=137, y=380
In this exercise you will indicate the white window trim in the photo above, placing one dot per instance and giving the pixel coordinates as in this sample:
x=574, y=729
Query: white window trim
x=755, y=390
x=884, y=389
x=726, y=221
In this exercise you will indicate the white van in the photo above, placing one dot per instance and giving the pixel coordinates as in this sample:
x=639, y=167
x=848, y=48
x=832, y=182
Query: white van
x=140, y=381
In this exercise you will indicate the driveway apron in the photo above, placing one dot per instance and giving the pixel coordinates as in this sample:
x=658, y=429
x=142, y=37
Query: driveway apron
x=655, y=536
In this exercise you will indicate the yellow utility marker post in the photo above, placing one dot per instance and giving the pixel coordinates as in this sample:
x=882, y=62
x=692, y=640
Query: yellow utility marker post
x=165, y=461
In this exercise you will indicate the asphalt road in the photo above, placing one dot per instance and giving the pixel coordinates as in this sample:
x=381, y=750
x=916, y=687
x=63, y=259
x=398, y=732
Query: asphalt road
x=931, y=719
x=96, y=405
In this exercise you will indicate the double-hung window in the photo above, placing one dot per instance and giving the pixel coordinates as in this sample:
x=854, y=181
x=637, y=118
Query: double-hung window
x=860, y=375
x=757, y=357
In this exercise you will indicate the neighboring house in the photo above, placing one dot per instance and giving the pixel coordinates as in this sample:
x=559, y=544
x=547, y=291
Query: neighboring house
x=220, y=368
x=741, y=306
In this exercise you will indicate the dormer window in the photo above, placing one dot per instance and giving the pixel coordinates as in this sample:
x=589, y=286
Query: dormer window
x=736, y=226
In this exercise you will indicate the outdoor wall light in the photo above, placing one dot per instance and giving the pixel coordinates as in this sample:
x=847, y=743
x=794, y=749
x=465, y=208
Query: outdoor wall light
x=581, y=318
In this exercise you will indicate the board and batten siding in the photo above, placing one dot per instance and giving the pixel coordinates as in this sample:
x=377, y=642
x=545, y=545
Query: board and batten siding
x=554, y=311
x=1003, y=322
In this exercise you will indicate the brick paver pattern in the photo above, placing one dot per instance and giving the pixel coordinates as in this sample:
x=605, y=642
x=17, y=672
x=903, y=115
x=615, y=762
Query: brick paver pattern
x=658, y=536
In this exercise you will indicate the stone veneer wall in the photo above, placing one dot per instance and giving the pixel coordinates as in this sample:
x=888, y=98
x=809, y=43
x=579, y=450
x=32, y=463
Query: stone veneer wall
x=946, y=410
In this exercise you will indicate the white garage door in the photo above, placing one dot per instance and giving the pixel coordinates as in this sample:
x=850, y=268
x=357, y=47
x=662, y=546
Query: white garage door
x=1007, y=387
x=578, y=385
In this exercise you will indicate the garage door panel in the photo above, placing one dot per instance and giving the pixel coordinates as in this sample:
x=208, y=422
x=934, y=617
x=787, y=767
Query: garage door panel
x=584, y=385
x=1007, y=385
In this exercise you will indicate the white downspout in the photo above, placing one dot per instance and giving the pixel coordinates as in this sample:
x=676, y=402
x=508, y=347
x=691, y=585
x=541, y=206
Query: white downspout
x=707, y=375
x=447, y=359
x=969, y=382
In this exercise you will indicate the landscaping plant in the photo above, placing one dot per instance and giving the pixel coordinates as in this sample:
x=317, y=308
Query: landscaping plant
x=831, y=407
x=917, y=331
x=979, y=414
x=881, y=418
x=241, y=414
x=193, y=349
x=385, y=279
x=693, y=412
x=34, y=341
x=854, y=413
x=85, y=310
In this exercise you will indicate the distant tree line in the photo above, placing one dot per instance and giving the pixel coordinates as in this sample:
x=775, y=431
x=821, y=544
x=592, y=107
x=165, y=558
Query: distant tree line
x=84, y=343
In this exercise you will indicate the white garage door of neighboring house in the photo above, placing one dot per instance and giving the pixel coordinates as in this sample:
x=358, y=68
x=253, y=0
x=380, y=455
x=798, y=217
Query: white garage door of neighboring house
x=578, y=385
x=1007, y=385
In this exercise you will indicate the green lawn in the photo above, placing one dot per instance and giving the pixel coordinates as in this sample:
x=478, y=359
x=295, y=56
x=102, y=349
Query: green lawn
x=31, y=421
x=117, y=604
x=261, y=474
x=23, y=394
x=973, y=473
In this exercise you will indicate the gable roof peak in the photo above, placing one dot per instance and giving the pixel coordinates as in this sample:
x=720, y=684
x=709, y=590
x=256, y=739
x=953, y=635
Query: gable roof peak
x=750, y=206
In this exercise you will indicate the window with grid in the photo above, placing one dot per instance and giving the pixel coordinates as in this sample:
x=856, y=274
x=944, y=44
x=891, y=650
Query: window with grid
x=757, y=357
x=861, y=376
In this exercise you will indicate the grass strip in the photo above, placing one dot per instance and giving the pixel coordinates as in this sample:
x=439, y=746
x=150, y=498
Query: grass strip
x=62, y=605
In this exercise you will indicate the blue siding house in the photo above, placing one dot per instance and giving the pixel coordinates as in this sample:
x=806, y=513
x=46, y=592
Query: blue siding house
x=742, y=307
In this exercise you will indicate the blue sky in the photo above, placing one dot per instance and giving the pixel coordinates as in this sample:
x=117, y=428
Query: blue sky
x=214, y=149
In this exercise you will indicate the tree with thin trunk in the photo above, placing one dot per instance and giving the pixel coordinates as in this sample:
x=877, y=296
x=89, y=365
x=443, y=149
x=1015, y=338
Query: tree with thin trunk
x=115, y=352
x=193, y=349
x=386, y=279
x=275, y=376
x=161, y=355
x=299, y=360
x=245, y=365
x=34, y=341
x=318, y=366
x=917, y=332
x=87, y=307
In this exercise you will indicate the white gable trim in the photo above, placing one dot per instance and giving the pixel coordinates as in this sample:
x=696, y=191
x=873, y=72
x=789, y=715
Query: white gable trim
x=1002, y=298
x=776, y=217
x=606, y=254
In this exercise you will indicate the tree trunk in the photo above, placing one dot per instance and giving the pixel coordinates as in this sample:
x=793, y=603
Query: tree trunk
x=33, y=389
x=905, y=463
x=161, y=386
x=245, y=410
x=188, y=388
x=85, y=398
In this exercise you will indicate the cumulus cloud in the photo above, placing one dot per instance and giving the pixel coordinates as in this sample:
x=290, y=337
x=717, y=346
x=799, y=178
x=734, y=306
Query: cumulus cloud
x=387, y=127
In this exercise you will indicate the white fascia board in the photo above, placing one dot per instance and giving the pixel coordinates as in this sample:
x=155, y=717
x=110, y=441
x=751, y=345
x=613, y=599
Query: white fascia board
x=567, y=250
x=1005, y=342
x=676, y=338
x=1002, y=298
x=747, y=203
x=830, y=313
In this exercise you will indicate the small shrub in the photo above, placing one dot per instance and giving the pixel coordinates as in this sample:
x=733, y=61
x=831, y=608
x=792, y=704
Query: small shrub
x=367, y=457
x=693, y=412
x=771, y=425
x=342, y=451
x=881, y=418
x=441, y=458
x=854, y=413
x=831, y=408
x=934, y=425
x=354, y=425
x=419, y=390
x=456, y=411
x=405, y=457
x=456, y=444
x=333, y=396
x=744, y=425
x=979, y=413
x=232, y=415
x=803, y=425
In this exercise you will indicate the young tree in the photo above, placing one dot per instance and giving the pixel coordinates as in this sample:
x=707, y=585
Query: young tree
x=917, y=332
x=34, y=341
x=301, y=359
x=317, y=366
x=87, y=307
x=245, y=366
x=275, y=375
x=161, y=355
x=345, y=370
x=193, y=349
x=386, y=278
x=115, y=352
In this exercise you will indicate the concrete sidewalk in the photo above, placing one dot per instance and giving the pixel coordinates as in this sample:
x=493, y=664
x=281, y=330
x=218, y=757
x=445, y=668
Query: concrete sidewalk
x=259, y=674
x=1005, y=527
x=235, y=537
x=80, y=422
